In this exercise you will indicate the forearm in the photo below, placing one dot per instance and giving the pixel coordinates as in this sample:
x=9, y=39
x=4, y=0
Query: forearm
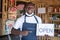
x=16, y=32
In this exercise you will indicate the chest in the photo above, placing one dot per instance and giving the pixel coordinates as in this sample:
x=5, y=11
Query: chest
x=31, y=20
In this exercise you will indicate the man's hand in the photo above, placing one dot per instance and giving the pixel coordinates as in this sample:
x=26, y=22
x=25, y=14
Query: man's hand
x=25, y=33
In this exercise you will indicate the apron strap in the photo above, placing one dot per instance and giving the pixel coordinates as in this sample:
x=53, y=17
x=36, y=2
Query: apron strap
x=25, y=19
x=34, y=17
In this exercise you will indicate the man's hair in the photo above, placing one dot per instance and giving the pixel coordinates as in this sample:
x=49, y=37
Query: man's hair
x=30, y=4
x=20, y=2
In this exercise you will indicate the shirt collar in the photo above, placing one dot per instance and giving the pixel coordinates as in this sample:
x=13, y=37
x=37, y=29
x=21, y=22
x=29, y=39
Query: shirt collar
x=29, y=14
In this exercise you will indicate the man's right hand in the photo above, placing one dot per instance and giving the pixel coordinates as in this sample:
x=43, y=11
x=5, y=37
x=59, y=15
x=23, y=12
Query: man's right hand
x=25, y=33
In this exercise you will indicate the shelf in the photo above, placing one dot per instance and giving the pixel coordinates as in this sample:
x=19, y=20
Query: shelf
x=54, y=17
x=54, y=12
x=55, y=20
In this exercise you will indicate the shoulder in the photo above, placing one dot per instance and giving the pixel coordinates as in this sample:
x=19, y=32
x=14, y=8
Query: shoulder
x=21, y=18
x=37, y=17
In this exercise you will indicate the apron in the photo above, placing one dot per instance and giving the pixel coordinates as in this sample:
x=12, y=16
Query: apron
x=31, y=27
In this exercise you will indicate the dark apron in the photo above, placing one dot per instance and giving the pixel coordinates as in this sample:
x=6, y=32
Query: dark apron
x=31, y=27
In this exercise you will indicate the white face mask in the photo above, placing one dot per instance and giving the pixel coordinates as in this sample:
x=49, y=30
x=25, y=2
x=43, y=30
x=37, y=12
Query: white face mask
x=29, y=14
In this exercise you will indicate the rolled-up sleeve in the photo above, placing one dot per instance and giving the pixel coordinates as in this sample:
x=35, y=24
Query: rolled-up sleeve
x=19, y=23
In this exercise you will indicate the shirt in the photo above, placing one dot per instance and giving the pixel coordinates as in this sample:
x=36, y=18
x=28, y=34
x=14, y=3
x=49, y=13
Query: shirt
x=19, y=23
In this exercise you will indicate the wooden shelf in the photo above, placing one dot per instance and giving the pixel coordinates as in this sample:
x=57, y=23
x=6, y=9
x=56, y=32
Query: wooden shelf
x=55, y=20
x=54, y=17
x=54, y=13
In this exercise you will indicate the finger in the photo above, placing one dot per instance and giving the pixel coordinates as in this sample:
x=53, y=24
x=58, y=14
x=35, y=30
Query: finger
x=30, y=31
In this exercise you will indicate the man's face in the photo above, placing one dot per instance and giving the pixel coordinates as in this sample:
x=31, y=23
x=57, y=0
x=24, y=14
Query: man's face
x=30, y=9
x=20, y=7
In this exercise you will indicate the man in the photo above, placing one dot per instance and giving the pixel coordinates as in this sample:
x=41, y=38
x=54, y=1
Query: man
x=27, y=23
x=20, y=5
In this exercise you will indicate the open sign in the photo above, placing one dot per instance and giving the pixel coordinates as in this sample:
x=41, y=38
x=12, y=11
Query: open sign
x=45, y=29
